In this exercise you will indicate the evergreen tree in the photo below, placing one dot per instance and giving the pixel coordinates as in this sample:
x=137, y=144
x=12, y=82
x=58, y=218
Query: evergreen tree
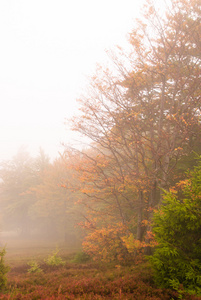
x=177, y=228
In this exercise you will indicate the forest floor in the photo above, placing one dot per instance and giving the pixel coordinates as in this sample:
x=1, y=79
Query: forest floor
x=76, y=279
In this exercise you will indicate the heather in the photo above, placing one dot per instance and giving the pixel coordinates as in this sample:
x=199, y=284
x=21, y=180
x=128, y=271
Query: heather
x=79, y=280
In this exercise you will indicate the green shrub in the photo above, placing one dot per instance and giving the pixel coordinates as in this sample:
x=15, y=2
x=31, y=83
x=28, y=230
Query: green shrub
x=34, y=267
x=81, y=257
x=3, y=269
x=54, y=260
x=177, y=227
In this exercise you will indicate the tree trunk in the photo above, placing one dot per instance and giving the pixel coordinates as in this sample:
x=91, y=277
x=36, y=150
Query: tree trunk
x=152, y=203
x=139, y=221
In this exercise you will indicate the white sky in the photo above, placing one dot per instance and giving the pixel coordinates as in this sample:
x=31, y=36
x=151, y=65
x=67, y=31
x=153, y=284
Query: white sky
x=47, y=47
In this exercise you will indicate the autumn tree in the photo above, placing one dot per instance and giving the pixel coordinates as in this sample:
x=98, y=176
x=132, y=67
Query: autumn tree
x=142, y=116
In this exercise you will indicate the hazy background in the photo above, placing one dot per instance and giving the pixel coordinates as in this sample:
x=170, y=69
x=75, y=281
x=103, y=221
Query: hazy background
x=47, y=47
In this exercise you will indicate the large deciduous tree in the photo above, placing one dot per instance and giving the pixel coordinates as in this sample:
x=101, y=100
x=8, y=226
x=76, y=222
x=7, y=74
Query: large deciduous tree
x=142, y=116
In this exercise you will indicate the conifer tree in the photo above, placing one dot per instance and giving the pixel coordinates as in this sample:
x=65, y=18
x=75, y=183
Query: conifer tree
x=177, y=228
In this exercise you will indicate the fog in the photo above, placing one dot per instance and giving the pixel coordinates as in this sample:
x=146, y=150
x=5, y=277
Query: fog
x=48, y=48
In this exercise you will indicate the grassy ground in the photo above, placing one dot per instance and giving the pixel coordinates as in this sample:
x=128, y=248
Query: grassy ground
x=21, y=251
x=75, y=280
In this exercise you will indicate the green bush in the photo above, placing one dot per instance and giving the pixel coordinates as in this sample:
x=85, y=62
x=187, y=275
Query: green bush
x=177, y=227
x=34, y=267
x=81, y=257
x=54, y=260
x=3, y=269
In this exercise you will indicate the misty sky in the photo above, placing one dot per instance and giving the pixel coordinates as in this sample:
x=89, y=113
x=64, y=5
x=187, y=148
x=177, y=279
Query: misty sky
x=47, y=47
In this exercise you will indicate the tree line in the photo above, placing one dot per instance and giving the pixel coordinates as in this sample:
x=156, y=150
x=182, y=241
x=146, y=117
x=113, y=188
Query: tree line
x=33, y=201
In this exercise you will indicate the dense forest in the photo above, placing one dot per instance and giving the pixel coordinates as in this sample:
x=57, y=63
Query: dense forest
x=133, y=189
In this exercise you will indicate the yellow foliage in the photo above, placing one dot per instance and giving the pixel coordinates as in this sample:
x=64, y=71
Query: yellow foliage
x=105, y=244
x=131, y=243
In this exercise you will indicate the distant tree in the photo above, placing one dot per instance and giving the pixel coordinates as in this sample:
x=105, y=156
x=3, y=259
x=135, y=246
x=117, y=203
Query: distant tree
x=18, y=176
x=177, y=227
x=33, y=200
x=42, y=161
x=54, y=211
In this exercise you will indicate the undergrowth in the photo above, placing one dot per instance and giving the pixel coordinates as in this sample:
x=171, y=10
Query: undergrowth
x=87, y=280
x=3, y=269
